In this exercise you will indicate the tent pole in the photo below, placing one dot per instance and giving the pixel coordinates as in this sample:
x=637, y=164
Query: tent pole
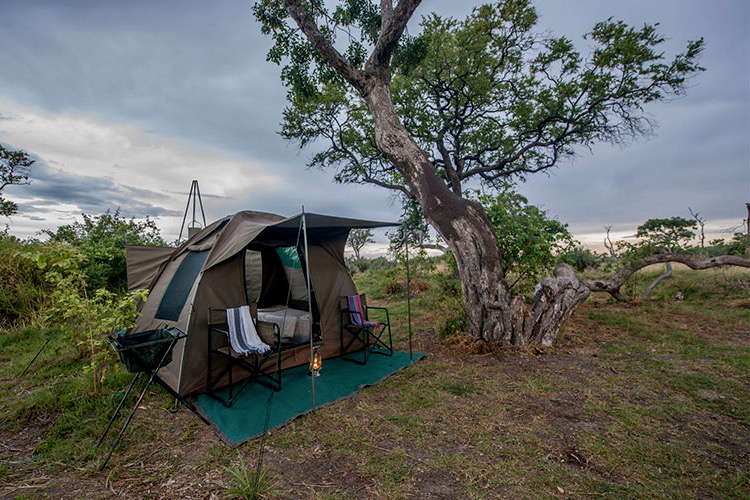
x=408, y=295
x=309, y=301
x=192, y=188
x=184, y=217
x=200, y=200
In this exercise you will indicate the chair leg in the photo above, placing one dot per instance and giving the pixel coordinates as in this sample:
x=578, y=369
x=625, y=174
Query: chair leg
x=365, y=347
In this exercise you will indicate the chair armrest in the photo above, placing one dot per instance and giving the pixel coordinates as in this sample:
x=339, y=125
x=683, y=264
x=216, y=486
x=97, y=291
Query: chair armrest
x=349, y=311
x=378, y=308
x=212, y=329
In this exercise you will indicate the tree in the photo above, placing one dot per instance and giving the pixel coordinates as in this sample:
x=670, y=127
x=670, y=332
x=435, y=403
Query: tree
x=701, y=222
x=530, y=242
x=14, y=169
x=670, y=235
x=358, y=238
x=485, y=100
x=667, y=236
x=102, y=239
x=663, y=241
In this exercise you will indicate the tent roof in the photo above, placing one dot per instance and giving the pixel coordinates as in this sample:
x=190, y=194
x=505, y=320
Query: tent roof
x=245, y=227
x=318, y=221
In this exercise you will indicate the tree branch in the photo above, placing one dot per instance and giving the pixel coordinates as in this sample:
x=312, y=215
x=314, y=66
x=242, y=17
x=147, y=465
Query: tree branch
x=612, y=285
x=306, y=22
x=666, y=274
x=390, y=32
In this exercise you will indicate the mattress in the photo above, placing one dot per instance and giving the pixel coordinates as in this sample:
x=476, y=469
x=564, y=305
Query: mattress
x=294, y=324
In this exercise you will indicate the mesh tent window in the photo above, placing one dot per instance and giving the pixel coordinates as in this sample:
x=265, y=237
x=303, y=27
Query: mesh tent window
x=177, y=292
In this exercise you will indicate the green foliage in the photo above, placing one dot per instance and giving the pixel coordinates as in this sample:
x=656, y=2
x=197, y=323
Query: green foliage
x=489, y=97
x=739, y=245
x=378, y=265
x=454, y=324
x=667, y=235
x=14, y=169
x=529, y=240
x=581, y=258
x=90, y=316
x=23, y=289
x=102, y=239
x=250, y=485
x=44, y=283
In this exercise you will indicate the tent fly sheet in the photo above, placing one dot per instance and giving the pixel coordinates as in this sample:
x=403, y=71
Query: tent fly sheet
x=250, y=258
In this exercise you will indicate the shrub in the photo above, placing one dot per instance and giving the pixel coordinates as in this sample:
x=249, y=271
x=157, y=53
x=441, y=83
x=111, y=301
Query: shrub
x=739, y=245
x=453, y=325
x=23, y=288
x=102, y=239
x=581, y=259
x=46, y=282
x=528, y=238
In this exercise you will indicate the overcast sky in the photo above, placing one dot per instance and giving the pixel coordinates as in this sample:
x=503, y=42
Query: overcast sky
x=122, y=104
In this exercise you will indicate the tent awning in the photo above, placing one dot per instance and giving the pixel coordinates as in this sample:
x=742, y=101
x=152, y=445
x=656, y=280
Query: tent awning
x=318, y=221
x=246, y=227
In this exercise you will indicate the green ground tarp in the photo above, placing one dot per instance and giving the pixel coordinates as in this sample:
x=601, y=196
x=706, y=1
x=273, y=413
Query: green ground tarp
x=338, y=379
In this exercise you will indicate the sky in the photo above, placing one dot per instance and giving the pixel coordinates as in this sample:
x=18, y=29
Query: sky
x=122, y=104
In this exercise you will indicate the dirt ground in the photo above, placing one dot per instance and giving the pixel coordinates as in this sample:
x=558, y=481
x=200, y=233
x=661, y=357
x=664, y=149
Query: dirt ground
x=634, y=401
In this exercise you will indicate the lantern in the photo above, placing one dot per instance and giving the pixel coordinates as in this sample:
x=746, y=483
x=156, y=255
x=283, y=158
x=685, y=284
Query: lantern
x=316, y=363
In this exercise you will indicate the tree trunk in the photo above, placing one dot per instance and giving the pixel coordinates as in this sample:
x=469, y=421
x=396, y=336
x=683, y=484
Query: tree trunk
x=492, y=314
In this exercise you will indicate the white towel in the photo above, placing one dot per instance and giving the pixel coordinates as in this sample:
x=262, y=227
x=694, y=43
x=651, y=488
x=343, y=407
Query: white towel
x=242, y=333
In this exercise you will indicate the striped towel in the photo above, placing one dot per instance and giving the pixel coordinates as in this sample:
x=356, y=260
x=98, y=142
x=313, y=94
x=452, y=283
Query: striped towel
x=242, y=333
x=355, y=306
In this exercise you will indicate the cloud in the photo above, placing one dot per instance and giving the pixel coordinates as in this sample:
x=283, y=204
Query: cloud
x=124, y=103
x=89, y=166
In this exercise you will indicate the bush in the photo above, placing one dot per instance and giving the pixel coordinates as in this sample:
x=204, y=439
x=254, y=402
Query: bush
x=739, y=245
x=453, y=325
x=45, y=283
x=102, y=239
x=23, y=288
x=581, y=259
x=528, y=238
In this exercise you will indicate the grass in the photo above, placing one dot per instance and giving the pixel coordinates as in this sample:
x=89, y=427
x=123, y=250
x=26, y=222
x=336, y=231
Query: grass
x=250, y=484
x=636, y=401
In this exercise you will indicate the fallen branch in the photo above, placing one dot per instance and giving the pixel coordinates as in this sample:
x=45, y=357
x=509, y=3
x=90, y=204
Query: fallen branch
x=612, y=285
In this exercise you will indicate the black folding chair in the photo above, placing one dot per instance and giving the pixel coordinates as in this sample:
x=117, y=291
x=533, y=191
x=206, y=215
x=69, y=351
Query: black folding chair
x=254, y=364
x=364, y=332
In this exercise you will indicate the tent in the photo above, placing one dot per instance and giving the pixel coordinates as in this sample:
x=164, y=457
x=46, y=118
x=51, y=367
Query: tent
x=246, y=258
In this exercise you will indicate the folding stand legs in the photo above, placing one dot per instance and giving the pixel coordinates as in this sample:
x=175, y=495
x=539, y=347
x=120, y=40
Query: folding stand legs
x=119, y=407
x=132, y=412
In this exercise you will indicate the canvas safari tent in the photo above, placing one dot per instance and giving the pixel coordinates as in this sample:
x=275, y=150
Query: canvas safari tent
x=246, y=258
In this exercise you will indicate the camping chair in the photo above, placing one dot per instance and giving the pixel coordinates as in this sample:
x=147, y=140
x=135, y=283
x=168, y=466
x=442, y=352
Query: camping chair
x=356, y=321
x=252, y=360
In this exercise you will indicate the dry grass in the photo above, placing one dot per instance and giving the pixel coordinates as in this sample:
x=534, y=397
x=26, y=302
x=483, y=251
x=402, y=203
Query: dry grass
x=636, y=401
